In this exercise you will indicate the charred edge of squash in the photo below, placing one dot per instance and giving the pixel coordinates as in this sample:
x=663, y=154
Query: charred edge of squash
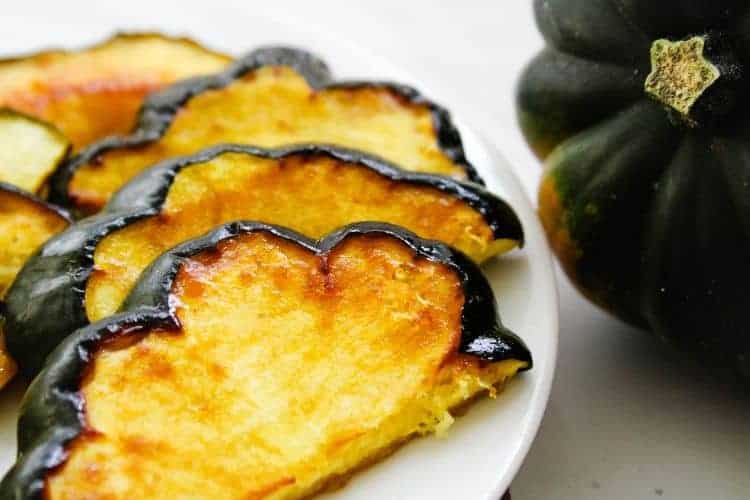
x=160, y=108
x=59, y=211
x=53, y=411
x=482, y=335
x=140, y=191
x=448, y=136
x=27, y=329
x=56, y=276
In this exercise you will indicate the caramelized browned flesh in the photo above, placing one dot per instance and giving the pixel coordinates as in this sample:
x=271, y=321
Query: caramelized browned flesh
x=310, y=194
x=289, y=369
x=24, y=225
x=96, y=92
x=274, y=106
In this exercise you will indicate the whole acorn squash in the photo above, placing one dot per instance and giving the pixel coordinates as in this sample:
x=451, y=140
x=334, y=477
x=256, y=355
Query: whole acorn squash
x=639, y=110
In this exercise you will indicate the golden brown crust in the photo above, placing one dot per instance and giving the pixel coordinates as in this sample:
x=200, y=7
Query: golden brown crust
x=310, y=194
x=96, y=92
x=275, y=106
x=289, y=369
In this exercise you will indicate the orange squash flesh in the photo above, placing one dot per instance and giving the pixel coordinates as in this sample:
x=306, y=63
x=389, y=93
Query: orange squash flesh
x=96, y=92
x=25, y=224
x=290, y=369
x=310, y=194
x=274, y=106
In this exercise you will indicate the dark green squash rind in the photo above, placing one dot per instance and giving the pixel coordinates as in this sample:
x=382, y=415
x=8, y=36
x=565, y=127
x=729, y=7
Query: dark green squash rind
x=160, y=109
x=604, y=176
x=61, y=212
x=593, y=29
x=48, y=294
x=673, y=19
x=53, y=410
x=47, y=300
x=559, y=95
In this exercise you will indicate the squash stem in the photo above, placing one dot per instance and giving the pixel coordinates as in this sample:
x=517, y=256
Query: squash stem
x=680, y=74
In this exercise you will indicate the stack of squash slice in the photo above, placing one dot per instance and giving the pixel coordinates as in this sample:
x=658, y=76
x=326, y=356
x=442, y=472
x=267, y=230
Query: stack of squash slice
x=54, y=102
x=94, y=93
x=271, y=97
x=282, y=275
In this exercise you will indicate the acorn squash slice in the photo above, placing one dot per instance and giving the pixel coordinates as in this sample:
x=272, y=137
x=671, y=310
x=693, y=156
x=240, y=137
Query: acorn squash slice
x=25, y=223
x=30, y=150
x=272, y=97
x=255, y=363
x=84, y=274
x=96, y=92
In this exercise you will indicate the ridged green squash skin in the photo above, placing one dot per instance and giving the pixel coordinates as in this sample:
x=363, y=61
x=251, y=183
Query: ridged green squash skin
x=53, y=411
x=647, y=209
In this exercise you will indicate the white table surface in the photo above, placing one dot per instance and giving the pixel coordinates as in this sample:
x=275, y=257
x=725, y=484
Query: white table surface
x=627, y=420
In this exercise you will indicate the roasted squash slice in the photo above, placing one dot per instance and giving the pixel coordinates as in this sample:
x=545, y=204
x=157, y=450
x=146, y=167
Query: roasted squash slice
x=30, y=150
x=272, y=97
x=25, y=223
x=312, y=189
x=96, y=92
x=255, y=363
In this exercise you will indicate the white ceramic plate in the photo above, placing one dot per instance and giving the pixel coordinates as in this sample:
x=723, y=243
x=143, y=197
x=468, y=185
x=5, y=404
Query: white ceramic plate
x=481, y=453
